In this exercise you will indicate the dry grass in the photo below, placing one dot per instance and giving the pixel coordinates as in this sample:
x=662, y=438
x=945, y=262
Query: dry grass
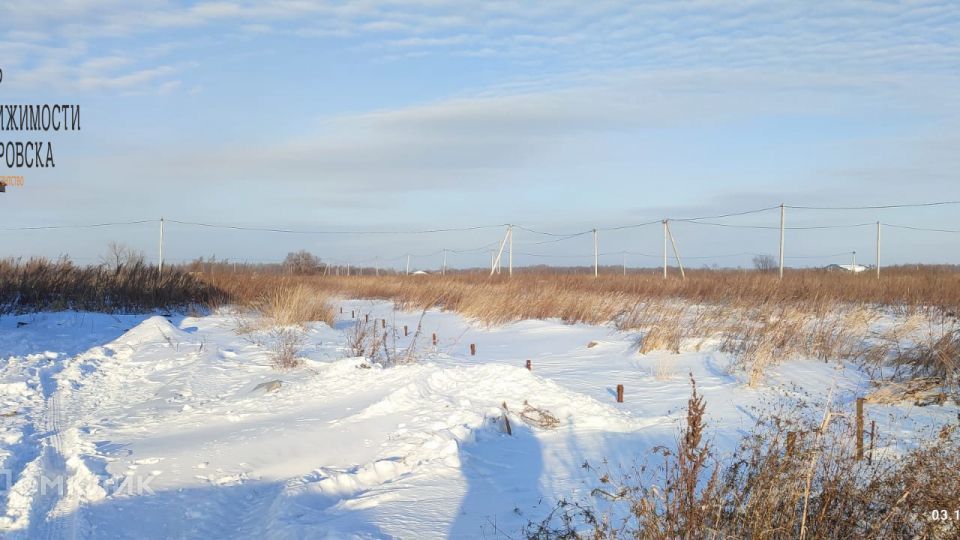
x=788, y=479
x=296, y=304
x=45, y=285
x=286, y=345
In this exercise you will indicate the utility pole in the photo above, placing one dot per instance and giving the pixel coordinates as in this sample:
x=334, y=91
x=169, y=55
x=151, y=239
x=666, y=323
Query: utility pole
x=664, y=249
x=596, y=254
x=496, y=263
x=160, y=264
x=783, y=217
x=878, y=250
x=675, y=252
x=510, y=233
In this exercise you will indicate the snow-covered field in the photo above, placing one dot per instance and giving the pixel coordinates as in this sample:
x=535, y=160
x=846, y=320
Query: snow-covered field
x=153, y=427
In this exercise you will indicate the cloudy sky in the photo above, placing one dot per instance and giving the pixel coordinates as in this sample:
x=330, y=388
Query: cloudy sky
x=560, y=116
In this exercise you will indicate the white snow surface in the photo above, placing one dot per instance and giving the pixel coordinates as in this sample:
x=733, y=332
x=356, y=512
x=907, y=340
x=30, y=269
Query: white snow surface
x=139, y=426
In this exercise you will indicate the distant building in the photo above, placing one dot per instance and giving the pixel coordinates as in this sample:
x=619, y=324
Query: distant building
x=855, y=268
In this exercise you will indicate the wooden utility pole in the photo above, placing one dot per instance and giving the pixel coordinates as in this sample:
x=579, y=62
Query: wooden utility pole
x=160, y=264
x=510, y=234
x=676, y=253
x=596, y=254
x=783, y=217
x=664, y=249
x=878, y=250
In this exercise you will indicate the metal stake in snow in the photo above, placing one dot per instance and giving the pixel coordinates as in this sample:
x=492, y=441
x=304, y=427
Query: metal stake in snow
x=596, y=255
x=160, y=264
x=783, y=217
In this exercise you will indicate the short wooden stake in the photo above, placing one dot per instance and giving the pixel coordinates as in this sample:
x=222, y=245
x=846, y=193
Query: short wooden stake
x=434, y=338
x=405, y=331
x=473, y=349
x=619, y=393
x=383, y=324
x=529, y=366
x=791, y=442
x=341, y=310
x=873, y=432
x=366, y=318
x=859, y=428
x=353, y=314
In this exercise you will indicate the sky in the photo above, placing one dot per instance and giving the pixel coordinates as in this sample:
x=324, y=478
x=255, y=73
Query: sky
x=559, y=117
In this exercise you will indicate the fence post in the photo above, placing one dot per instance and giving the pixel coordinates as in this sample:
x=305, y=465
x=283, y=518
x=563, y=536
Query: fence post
x=619, y=393
x=443, y=269
x=783, y=217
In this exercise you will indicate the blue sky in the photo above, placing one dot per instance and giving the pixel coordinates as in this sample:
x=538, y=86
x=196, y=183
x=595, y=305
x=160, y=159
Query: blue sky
x=561, y=116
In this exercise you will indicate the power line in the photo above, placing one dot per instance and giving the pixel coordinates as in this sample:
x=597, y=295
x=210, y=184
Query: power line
x=774, y=227
x=875, y=207
x=86, y=226
x=920, y=228
x=294, y=231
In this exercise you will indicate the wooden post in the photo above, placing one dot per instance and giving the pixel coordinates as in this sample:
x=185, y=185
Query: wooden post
x=353, y=314
x=783, y=217
x=473, y=349
x=624, y=263
x=619, y=393
x=341, y=310
x=529, y=366
x=873, y=432
x=366, y=318
x=859, y=428
x=383, y=324
x=791, y=442
x=434, y=338
x=506, y=420
x=406, y=331
x=443, y=269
